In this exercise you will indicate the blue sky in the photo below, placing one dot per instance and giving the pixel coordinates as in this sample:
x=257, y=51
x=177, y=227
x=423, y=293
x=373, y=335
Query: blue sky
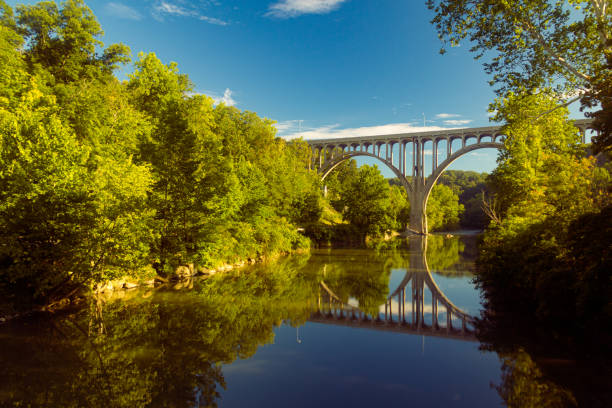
x=318, y=67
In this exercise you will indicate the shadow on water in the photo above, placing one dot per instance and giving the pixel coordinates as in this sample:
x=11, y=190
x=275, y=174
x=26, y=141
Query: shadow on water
x=167, y=347
x=541, y=368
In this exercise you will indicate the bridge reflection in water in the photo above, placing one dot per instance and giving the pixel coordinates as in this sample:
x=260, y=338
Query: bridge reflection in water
x=406, y=309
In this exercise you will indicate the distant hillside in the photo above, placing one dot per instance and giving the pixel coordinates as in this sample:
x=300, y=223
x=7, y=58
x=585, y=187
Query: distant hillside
x=469, y=185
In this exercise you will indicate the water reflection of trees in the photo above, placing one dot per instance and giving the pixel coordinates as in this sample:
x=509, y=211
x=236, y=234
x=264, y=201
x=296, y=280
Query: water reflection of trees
x=443, y=253
x=167, y=347
x=524, y=386
x=542, y=366
x=365, y=278
x=160, y=350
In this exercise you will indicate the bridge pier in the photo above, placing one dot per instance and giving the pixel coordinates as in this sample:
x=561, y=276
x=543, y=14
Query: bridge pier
x=418, y=215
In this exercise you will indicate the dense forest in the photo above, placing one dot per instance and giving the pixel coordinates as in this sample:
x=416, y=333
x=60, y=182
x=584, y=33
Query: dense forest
x=101, y=178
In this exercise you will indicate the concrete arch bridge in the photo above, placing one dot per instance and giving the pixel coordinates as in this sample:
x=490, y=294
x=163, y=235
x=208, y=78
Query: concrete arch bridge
x=409, y=164
x=406, y=309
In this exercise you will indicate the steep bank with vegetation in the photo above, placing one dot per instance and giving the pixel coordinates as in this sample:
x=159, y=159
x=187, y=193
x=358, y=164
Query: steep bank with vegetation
x=547, y=252
x=545, y=259
x=101, y=178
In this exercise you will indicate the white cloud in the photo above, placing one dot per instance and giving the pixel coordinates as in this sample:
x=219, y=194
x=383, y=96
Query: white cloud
x=226, y=98
x=163, y=8
x=457, y=122
x=288, y=126
x=168, y=8
x=122, y=11
x=447, y=115
x=294, y=8
x=212, y=20
x=334, y=131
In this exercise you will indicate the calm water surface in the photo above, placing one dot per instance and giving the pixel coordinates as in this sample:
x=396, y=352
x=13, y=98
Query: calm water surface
x=359, y=327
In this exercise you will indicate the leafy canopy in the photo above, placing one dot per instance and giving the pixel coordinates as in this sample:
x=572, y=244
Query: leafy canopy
x=539, y=44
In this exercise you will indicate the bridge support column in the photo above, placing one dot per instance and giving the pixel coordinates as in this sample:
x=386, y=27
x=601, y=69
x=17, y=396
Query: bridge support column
x=320, y=158
x=418, y=217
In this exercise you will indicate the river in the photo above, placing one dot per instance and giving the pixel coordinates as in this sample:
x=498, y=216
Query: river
x=336, y=327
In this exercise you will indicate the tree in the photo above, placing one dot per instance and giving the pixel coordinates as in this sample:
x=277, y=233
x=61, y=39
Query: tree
x=543, y=164
x=367, y=204
x=338, y=181
x=400, y=207
x=63, y=41
x=72, y=208
x=544, y=183
x=469, y=185
x=534, y=45
x=196, y=188
x=443, y=208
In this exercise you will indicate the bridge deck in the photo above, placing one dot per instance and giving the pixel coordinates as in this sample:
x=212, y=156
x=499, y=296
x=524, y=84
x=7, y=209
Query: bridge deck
x=442, y=133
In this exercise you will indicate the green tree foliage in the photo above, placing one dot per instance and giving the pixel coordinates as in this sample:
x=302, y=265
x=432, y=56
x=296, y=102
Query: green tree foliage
x=226, y=188
x=101, y=178
x=63, y=41
x=565, y=45
x=543, y=170
x=469, y=185
x=443, y=208
x=195, y=188
x=338, y=181
x=400, y=207
x=543, y=185
x=360, y=198
x=366, y=202
x=73, y=207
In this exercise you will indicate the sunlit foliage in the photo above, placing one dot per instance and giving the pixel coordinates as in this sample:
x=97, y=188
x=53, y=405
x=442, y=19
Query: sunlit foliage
x=530, y=45
x=545, y=188
x=101, y=178
x=443, y=209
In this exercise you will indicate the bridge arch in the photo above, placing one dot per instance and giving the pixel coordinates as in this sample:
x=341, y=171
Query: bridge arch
x=433, y=178
x=326, y=171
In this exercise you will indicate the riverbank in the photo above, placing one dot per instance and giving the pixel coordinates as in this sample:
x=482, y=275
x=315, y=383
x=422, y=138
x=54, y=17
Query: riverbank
x=182, y=275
